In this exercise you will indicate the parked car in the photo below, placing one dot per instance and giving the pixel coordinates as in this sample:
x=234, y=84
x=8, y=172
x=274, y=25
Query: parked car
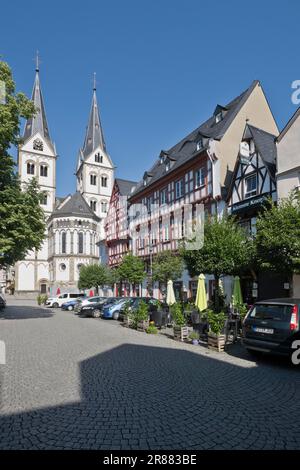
x=271, y=326
x=95, y=310
x=70, y=305
x=2, y=302
x=113, y=310
x=61, y=299
x=82, y=302
x=134, y=303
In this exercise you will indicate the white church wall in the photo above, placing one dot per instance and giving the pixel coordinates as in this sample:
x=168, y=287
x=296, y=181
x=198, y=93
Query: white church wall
x=42, y=271
x=26, y=276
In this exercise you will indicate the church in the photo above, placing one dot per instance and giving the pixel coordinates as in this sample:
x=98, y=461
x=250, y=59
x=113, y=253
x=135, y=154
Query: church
x=74, y=223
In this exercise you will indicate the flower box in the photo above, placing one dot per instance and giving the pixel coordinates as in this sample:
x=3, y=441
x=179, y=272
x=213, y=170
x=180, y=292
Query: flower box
x=127, y=322
x=181, y=333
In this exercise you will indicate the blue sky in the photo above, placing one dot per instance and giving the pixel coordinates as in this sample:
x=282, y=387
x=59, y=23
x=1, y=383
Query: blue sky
x=161, y=66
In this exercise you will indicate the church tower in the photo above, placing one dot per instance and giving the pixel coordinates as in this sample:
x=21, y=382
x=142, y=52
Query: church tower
x=95, y=170
x=37, y=158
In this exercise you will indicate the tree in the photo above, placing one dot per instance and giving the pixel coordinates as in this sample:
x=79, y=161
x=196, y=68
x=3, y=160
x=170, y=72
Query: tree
x=226, y=251
x=167, y=265
x=22, y=224
x=131, y=270
x=278, y=236
x=93, y=275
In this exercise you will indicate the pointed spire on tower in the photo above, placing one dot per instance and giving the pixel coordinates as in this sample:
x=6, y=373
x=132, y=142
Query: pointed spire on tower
x=94, y=134
x=37, y=123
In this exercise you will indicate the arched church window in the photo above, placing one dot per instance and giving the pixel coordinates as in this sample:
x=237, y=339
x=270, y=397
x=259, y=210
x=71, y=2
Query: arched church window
x=93, y=179
x=63, y=242
x=30, y=168
x=44, y=199
x=80, y=242
x=104, y=181
x=104, y=206
x=44, y=170
x=98, y=158
x=93, y=205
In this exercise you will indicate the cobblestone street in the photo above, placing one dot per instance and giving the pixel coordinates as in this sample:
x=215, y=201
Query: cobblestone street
x=81, y=383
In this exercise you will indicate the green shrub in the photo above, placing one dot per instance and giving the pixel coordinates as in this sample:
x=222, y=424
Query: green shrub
x=44, y=298
x=194, y=335
x=140, y=314
x=39, y=299
x=216, y=321
x=177, y=314
x=152, y=330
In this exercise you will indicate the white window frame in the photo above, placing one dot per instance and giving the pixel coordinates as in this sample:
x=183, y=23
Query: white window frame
x=253, y=192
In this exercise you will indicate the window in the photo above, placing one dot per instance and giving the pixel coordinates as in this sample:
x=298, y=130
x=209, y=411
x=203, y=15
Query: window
x=93, y=180
x=98, y=158
x=93, y=205
x=63, y=267
x=44, y=170
x=167, y=166
x=104, y=181
x=103, y=206
x=250, y=186
x=179, y=189
x=44, y=199
x=30, y=168
x=200, y=144
x=163, y=196
x=80, y=242
x=63, y=242
x=219, y=117
x=200, y=177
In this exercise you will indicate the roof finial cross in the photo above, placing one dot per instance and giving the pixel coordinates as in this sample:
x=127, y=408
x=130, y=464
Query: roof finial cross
x=37, y=62
x=94, y=82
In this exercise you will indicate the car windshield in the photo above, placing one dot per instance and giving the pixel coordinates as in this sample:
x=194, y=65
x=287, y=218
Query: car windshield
x=271, y=312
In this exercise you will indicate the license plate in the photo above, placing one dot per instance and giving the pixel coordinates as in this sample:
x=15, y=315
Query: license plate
x=268, y=331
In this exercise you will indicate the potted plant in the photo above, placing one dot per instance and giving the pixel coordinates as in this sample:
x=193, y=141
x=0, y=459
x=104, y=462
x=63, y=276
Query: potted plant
x=152, y=329
x=39, y=299
x=127, y=315
x=141, y=317
x=181, y=331
x=216, y=338
x=194, y=336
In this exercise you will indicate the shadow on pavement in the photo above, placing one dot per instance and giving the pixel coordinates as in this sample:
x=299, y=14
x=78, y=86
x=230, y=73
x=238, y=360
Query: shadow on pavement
x=14, y=312
x=144, y=397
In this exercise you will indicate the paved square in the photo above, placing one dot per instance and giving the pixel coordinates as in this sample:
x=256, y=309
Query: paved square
x=80, y=383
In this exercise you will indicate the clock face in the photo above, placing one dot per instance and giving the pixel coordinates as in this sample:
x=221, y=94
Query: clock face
x=38, y=145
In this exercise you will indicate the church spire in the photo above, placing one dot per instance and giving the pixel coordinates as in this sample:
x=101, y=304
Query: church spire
x=37, y=123
x=94, y=134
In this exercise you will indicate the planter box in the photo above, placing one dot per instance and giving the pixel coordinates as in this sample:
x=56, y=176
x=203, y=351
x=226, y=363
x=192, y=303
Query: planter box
x=127, y=322
x=181, y=333
x=142, y=325
x=216, y=342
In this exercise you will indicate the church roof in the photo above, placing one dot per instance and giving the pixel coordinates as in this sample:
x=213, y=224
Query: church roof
x=74, y=205
x=37, y=123
x=94, y=134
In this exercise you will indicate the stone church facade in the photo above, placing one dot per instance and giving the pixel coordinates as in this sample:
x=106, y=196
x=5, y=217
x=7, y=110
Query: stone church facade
x=75, y=223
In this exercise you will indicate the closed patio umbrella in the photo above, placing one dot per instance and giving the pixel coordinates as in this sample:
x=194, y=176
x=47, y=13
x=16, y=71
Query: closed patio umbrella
x=201, y=300
x=58, y=291
x=91, y=293
x=170, y=293
x=237, y=297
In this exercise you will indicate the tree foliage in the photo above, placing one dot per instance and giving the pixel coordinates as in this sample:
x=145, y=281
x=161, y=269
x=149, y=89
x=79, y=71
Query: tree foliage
x=22, y=225
x=94, y=275
x=131, y=270
x=278, y=236
x=167, y=265
x=226, y=251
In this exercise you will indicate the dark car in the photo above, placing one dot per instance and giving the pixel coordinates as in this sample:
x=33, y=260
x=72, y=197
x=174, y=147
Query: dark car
x=271, y=326
x=95, y=310
x=2, y=302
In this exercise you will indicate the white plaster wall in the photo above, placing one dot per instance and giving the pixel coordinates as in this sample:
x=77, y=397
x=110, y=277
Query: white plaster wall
x=25, y=276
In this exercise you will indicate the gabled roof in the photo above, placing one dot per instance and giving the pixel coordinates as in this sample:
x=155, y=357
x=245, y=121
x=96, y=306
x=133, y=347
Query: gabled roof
x=37, y=123
x=186, y=149
x=288, y=125
x=265, y=144
x=74, y=205
x=125, y=186
x=94, y=134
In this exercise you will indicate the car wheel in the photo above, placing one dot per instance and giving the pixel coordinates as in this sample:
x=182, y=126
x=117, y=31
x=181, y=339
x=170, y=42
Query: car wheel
x=70, y=308
x=116, y=315
x=55, y=305
x=96, y=313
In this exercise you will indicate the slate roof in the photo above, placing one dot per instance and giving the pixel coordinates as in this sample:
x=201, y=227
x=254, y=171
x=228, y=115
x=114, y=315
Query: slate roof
x=186, y=149
x=94, y=134
x=37, y=123
x=125, y=186
x=75, y=206
x=266, y=147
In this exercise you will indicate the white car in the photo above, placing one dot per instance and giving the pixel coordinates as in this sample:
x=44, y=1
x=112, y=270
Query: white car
x=88, y=301
x=61, y=299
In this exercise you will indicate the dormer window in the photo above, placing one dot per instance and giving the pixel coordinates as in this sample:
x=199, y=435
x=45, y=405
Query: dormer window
x=219, y=113
x=167, y=165
x=219, y=117
x=199, y=144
